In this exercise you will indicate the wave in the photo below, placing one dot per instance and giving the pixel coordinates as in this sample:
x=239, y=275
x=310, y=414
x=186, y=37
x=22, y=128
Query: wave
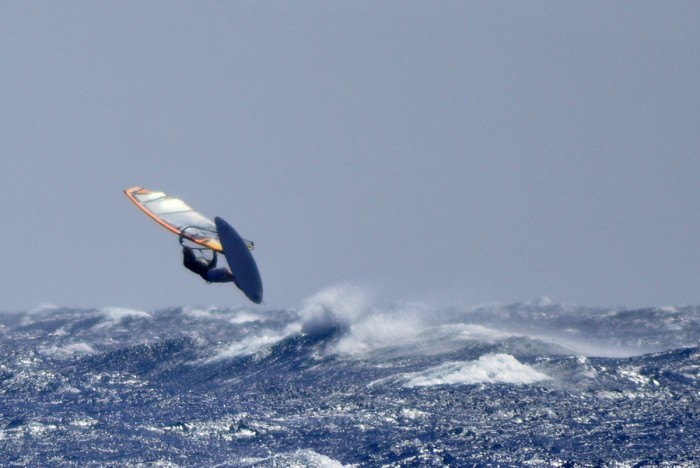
x=406, y=383
x=415, y=328
x=364, y=328
x=525, y=343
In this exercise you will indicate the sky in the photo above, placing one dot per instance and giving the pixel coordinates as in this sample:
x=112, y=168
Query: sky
x=454, y=152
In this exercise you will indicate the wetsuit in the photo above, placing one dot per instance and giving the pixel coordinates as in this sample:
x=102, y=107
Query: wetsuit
x=206, y=270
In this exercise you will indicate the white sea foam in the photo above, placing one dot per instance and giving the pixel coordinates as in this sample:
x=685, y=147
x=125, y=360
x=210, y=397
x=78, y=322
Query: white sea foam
x=633, y=373
x=248, y=346
x=116, y=315
x=304, y=458
x=371, y=328
x=236, y=316
x=340, y=304
x=44, y=308
x=380, y=330
x=244, y=316
x=68, y=350
x=404, y=328
x=490, y=368
x=211, y=313
x=308, y=458
x=30, y=316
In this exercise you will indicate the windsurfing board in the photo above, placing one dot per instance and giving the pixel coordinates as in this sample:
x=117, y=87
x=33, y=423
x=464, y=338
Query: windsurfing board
x=240, y=261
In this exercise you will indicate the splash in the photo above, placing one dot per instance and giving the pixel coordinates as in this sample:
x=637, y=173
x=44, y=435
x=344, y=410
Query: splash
x=402, y=329
x=337, y=305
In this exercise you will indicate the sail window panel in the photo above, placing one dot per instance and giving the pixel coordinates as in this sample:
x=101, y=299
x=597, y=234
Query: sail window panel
x=146, y=196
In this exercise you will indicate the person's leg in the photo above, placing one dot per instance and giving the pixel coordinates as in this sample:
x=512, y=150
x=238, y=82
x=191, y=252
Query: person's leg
x=219, y=275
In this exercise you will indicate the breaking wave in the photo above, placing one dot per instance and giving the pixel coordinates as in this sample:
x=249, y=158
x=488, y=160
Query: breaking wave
x=489, y=368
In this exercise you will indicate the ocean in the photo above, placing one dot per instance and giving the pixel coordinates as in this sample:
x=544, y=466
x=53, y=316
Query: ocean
x=345, y=380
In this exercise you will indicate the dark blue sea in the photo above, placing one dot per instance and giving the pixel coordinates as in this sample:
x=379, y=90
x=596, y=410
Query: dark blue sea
x=344, y=380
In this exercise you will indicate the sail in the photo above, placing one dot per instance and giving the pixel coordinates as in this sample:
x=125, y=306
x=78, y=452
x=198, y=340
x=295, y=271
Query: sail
x=178, y=217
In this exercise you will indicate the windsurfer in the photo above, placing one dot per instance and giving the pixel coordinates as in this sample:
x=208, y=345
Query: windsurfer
x=205, y=269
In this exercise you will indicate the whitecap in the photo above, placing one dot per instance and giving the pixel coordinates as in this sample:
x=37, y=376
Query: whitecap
x=490, y=368
x=246, y=347
x=243, y=316
x=116, y=315
x=68, y=350
x=45, y=307
x=304, y=458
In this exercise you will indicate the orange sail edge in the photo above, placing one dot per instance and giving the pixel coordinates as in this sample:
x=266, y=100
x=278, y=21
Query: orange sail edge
x=209, y=241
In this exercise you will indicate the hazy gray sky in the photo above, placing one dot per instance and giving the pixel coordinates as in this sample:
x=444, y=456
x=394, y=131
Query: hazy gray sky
x=446, y=151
